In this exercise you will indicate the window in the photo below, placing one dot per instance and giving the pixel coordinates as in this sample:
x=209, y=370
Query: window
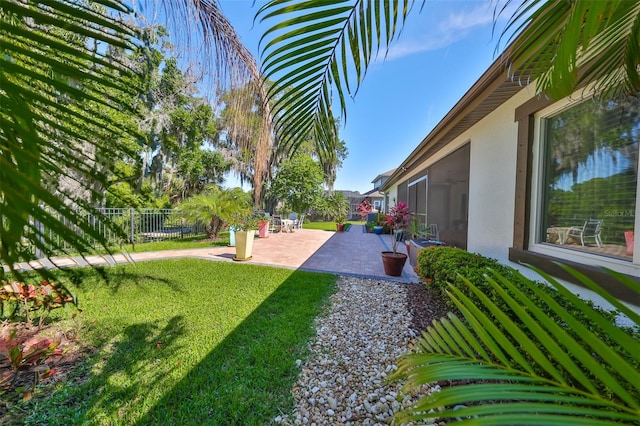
x=589, y=177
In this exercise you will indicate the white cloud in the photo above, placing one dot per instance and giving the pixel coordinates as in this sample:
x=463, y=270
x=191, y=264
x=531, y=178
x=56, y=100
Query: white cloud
x=457, y=22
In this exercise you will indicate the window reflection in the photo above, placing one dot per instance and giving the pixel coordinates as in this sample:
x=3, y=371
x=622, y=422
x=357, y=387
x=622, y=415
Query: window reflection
x=590, y=174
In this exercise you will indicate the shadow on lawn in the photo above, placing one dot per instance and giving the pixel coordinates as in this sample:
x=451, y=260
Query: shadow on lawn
x=247, y=378
x=113, y=277
x=142, y=347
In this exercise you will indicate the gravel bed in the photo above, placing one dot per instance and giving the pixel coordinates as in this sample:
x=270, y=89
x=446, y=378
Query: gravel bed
x=368, y=325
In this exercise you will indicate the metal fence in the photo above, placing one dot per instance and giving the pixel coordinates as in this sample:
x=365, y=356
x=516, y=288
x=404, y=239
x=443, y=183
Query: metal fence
x=137, y=225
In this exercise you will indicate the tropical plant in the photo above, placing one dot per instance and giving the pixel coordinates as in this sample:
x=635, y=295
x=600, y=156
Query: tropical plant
x=397, y=220
x=18, y=355
x=417, y=228
x=536, y=371
x=335, y=207
x=62, y=83
x=364, y=208
x=216, y=207
x=56, y=92
x=30, y=299
x=563, y=45
x=315, y=49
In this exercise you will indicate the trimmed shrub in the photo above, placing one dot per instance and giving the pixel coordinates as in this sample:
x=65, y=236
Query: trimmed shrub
x=438, y=266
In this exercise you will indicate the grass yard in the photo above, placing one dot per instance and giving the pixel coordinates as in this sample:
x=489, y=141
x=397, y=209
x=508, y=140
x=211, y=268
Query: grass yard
x=199, y=241
x=324, y=226
x=186, y=341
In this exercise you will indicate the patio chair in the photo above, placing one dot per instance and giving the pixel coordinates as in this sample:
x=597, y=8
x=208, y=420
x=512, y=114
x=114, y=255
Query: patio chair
x=275, y=224
x=590, y=229
x=297, y=224
x=434, y=233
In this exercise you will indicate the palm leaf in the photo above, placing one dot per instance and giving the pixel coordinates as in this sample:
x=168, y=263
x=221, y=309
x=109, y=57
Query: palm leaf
x=564, y=45
x=561, y=381
x=318, y=48
x=56, y=94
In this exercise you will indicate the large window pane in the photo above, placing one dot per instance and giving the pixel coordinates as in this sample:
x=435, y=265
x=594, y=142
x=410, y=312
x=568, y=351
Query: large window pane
x=590, y=173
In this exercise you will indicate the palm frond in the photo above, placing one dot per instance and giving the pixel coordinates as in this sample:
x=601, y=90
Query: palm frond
x=564, y=45
x=546, y=369
x=316, y=49
x=57, y=93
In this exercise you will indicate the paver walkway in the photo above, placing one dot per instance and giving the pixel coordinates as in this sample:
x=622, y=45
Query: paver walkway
x=354, y=252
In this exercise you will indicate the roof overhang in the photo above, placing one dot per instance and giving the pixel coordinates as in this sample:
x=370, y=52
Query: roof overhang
x=491, y=90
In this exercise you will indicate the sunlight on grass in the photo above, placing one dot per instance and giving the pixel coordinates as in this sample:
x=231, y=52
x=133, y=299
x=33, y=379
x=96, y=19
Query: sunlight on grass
x=199, y=241
x=189, y=342
x=325, y=226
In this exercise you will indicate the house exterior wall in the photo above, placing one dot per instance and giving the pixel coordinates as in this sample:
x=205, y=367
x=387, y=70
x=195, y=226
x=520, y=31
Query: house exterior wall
x=492, y=180
x=503, y=188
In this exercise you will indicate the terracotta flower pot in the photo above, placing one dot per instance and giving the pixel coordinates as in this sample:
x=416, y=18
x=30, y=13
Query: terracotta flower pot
x=263, y=229
x=393, y=263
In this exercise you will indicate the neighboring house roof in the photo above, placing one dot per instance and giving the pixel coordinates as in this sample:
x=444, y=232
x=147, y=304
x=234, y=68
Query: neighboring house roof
x=350, y=194
x=491, y=90
x=374, y=193
x=381, y=175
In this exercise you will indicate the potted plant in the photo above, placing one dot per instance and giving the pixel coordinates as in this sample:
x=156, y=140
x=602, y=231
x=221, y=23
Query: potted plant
x=335, y=207
x=244, y=226
x=397, y=220
x=263, y=227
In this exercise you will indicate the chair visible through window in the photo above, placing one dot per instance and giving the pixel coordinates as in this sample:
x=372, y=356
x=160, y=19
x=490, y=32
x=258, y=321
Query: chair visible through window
x=591, y=229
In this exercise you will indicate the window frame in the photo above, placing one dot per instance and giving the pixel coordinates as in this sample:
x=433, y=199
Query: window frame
x=535, y=245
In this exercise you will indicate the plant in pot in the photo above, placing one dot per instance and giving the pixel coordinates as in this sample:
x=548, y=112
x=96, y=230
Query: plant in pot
x=335, y=207
x=397, y=220
x=245, y=231
x=263, y=226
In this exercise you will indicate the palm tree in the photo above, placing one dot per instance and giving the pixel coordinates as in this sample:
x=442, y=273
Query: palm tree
x=215, y=207
x=563, y=45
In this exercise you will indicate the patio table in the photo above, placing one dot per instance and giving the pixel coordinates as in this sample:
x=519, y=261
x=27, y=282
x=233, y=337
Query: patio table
x=287, y=225
x=562, y=232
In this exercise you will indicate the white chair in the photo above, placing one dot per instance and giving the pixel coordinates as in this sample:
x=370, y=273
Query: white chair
x=590, y=229
x=298, y=223
x=434, y=232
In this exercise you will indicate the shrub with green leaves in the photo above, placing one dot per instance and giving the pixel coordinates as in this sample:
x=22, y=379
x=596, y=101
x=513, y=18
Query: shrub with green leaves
x=441, y=266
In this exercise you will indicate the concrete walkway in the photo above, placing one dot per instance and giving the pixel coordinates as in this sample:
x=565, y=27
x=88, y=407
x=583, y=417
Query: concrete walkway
x=353, y=253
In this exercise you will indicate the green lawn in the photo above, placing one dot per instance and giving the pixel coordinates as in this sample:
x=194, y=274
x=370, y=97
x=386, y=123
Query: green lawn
x=187, y=341
x=325, y=226
x=198, y=241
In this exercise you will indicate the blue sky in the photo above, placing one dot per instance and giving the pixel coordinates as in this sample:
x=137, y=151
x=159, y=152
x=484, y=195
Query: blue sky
x=441, y=52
